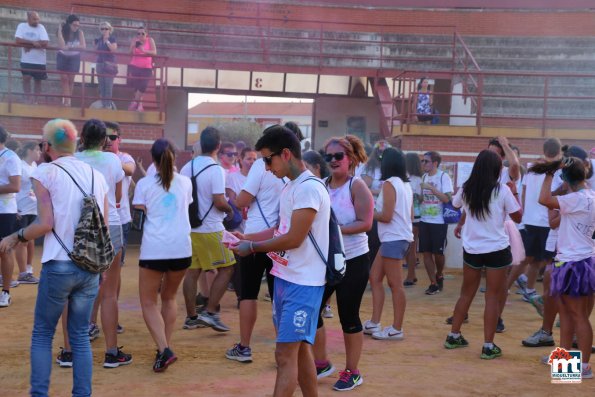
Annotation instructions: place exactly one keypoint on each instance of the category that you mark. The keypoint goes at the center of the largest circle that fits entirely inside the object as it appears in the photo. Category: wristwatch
(21, 236)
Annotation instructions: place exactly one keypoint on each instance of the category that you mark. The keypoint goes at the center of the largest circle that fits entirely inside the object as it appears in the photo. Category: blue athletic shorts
(295, 311)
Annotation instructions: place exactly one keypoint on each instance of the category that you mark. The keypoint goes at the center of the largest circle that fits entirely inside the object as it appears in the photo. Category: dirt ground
(419, 365)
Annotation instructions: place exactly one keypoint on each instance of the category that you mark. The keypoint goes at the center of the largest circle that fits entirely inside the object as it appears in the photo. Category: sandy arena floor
(417, 366)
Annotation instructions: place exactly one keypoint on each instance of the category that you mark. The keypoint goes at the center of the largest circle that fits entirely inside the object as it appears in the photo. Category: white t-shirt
(534, 213)
(415, 182)
(124, 210)
(166, 232)
(152, 170)
(266, 188)
(235, 181)
(110, 166)
(10, 165)
(375, 174)
(210, 182)
(38, 33)
(481, 236)
(591, 181)
(67, 200)
(577, 223)
(303, 265)
(400, 226)
(431, 206)
(26, 200)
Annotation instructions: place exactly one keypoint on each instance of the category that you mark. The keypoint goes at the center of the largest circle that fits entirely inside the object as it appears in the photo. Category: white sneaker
(370, 327)
(4, 299)
(327, 312)
(388, 333)
(13, 283)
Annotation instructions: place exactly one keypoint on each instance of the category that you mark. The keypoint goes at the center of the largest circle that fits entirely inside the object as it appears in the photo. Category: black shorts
(138, 78)
(68, 63)
(490, 260)
(349, 294)
(25, 220)
(251, 269)
(423, 119)
(432, 237)
(534, 240)
(8, 224)
(166, 265)
(38, 72)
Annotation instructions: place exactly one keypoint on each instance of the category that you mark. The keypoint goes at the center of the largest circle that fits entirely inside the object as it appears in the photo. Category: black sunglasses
(338, 156)
(268, 160)
(230, 154)
(113, 137)
(103, 28)
(425, 161)
(140, 33)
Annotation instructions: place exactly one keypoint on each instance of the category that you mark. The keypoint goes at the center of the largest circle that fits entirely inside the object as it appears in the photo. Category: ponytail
(164, 156)
(574, 169)
(546, 167)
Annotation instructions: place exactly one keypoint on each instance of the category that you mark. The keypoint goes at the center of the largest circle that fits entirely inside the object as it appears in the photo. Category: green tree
(240, 130)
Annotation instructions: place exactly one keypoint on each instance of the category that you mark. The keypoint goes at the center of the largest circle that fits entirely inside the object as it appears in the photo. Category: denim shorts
(295, 311)
(394, 249)
(115, 233)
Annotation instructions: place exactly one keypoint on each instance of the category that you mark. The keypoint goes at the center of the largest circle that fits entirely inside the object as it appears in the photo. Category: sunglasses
(338, 156)
(140, 33)
(113, 137)
(230, 154)
(41, 144)
(268, 160)
(103, 28)
(424, 161)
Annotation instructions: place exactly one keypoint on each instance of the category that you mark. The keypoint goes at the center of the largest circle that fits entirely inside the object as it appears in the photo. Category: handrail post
(320, 52)
(454, 50)
(545, 95)
(83, 90)
(479, 104)
(9, 79)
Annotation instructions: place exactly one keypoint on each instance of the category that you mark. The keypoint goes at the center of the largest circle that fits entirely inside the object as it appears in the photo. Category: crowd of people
(235, 215)
(70, 41)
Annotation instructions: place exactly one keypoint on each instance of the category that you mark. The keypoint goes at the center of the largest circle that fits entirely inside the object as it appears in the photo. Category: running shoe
(164, 360)
(490, 354)
(239, 353)
(433, 289)
(64, 359)
(528, 295)
(327, 312)
(500, 326)
(538, 339)
(370, 327)
(115, 360)
(521, 282)
(545, 360)
(453, 343)
(449, 320)
(267, 297)
(323, 372)
(192, 323)
(5, 299)
(388, 333)
(212, 320)
(120, 329)
(27, 278)
(440, 282)
(93, 332)
(410, 283)
(348, 381)
(587, 372)
(537, 302)
(13, 283)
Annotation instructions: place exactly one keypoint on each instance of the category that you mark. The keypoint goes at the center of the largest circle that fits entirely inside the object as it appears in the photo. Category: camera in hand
(138, 44)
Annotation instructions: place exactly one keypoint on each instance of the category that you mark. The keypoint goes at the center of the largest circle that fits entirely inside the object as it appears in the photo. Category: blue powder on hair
(60, 135)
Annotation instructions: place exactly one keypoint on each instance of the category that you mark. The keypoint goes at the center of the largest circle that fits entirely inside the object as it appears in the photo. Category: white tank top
(355, 244)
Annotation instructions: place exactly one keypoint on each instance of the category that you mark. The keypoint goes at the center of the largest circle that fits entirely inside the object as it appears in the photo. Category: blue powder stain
(169, 200)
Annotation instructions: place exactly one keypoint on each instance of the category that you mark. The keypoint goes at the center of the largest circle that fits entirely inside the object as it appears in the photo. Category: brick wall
(468, 22)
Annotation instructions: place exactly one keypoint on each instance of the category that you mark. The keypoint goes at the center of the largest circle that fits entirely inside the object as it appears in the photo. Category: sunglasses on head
(268, 160)
(113, 137)
(230, 154)
(338, 156)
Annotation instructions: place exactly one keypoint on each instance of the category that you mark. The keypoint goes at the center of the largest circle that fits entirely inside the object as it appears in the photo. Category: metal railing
(84, 94)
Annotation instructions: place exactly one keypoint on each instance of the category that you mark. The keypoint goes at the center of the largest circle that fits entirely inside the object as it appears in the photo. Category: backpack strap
(310, 235)
(196, 176)
(4, 152)
(260, 208)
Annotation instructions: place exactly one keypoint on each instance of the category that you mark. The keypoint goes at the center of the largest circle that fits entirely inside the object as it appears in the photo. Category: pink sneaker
(140, 108)
(133, 106)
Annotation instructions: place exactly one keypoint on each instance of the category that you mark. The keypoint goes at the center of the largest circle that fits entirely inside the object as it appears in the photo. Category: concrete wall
(177, 116)
(337, 111)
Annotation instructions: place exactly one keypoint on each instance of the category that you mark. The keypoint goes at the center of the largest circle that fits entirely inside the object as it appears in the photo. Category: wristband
(21, 236)
(251, 247)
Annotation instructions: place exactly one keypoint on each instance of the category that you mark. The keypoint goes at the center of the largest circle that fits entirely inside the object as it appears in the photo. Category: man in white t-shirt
(10, 184)
(437, 190)
(299, 270)
(208, 252)
(501, 146)
(34, 39)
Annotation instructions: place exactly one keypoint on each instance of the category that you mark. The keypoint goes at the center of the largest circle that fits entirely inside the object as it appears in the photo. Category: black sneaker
(500, 326)
(433, 289)
(452, 343)
(449, 320)
(490, 354)
(64, 359)
(410, 283)
(323, 372)
(114, 361)
(164, 360)
(440, 282)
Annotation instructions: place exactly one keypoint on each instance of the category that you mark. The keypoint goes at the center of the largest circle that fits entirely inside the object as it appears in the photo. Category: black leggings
(350, 292)
(251, 269)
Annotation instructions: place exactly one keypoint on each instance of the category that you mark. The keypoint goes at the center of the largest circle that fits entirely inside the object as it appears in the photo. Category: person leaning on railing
(68, 60)
(107, 68)
(140, 69)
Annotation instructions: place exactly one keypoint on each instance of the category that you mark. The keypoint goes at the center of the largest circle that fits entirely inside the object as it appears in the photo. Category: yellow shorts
(209, 253)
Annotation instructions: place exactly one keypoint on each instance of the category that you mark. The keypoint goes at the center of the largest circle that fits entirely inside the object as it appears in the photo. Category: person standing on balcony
(422, 102)
(106, 64)
(68, 59)
(34, 38)
(140, 69)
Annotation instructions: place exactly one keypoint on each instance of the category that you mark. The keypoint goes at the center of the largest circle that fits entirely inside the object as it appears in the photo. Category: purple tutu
(573, 278)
